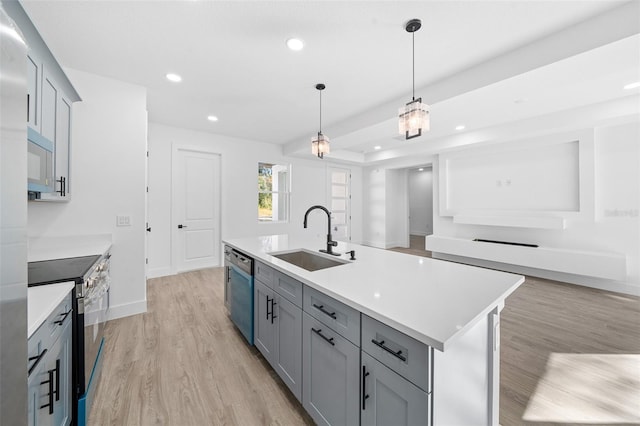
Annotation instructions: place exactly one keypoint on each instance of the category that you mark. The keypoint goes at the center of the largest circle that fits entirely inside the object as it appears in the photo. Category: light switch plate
(123, 220)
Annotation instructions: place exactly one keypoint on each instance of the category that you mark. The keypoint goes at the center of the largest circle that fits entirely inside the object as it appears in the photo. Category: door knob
(182, 226)
(149, 229)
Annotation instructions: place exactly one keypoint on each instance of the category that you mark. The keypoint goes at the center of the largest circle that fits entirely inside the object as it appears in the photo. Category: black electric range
(61, 270)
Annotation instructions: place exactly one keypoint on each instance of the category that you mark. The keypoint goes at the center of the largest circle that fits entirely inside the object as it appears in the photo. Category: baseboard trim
(128, 309)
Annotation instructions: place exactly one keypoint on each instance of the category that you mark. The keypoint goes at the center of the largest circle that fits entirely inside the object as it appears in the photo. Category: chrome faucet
(330, 243)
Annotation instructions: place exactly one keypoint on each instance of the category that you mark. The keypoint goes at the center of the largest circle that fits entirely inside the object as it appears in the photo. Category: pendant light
(320, 143)
(413, 118)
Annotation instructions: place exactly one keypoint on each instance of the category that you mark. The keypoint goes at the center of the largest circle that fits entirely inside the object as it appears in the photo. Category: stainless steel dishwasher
(239, 290)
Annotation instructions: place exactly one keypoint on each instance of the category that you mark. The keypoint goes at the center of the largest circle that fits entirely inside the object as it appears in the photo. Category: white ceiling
(235, 65)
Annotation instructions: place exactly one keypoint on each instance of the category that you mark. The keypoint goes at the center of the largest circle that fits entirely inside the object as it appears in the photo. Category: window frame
(284, 196)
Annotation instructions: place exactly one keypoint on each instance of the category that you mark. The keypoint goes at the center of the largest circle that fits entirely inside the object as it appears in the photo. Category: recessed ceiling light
(174, 77)
(460, 127)
(295, 44)
(212, 118)
(420, 169)
(377, 147)
(632, 85)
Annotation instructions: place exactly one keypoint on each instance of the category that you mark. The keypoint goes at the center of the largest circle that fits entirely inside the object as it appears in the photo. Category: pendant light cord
(320, 131)
(413, 70)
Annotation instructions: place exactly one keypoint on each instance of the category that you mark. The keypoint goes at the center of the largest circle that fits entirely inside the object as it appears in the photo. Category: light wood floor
(183, 363)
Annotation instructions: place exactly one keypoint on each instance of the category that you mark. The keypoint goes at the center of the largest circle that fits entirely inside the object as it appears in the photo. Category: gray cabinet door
(389, 399)
(330, 365)
(59, 362)
(288, 344)
(49, 106)
(34, 70)
(263, 323)
(63, 146)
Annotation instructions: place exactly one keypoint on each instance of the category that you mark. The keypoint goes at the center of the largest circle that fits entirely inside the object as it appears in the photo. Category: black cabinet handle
(57, 370)
(397, 354)
(50, 382)
(319, 333)
(273, 303)
(182, 226)
(28, 112)
(63, 186)
(149, 229)
(65, 315)
(324, 311)
(268, 313)
(365, 395)
(37, 358)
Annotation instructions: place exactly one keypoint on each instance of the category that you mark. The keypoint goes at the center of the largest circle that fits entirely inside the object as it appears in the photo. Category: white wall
(239, 163)
(421, 202)
(608, 218)
(107, 179)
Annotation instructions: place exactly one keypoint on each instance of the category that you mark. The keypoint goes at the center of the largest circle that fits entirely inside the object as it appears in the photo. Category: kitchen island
(449, 308)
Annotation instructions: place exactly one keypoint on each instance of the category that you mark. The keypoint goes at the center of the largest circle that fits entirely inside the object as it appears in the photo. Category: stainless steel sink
(308, 260)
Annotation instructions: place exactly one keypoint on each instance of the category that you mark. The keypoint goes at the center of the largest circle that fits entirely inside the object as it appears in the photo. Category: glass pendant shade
(413, 119)
(320, 145)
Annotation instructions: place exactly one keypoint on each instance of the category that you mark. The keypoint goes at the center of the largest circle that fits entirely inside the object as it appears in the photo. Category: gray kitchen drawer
(288, 288)
(49, 331)
(336, 315)
(401, 353)
(263, 273)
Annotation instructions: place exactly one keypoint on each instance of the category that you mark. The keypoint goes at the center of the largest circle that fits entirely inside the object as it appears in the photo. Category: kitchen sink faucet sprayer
(330, 243)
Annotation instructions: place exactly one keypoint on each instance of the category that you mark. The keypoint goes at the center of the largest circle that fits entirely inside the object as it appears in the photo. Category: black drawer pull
(319, 333)
(324, 311)
(65, 315)
(391, 351)
(37, 359)
(57, 370)
(365, 395)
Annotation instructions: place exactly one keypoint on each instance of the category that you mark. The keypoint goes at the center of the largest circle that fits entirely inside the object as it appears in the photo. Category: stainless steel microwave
(39, 163)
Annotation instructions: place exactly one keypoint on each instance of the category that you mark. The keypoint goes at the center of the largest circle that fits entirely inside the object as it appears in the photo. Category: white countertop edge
(441, 345)
(42, 300)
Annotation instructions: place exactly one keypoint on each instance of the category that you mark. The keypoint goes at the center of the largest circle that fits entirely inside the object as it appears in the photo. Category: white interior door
(196, 209)
(340, 203)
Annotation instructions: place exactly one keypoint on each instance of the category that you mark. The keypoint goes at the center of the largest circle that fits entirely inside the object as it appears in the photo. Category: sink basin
(308, 260)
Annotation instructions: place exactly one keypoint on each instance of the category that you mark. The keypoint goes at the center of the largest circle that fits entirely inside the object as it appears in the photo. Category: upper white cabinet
(34, 76)
(50, 95)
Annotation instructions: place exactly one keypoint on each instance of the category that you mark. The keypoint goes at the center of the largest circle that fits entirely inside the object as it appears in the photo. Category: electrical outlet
(123, 220)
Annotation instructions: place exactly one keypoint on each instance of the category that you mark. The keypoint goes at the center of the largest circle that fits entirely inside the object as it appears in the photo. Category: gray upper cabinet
(278, 334)
(63, 146)
(34, 74)
(50, 95)
(389, 399)
(49, 106)
(331, 371)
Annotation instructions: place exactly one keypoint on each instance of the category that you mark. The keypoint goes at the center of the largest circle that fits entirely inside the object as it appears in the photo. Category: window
(273, 192)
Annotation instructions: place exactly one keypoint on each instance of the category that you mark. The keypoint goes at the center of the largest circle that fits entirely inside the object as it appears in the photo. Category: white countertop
(433, 301)
(41, 301)
(47, 248)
